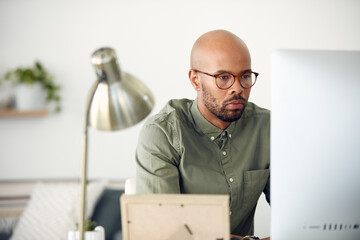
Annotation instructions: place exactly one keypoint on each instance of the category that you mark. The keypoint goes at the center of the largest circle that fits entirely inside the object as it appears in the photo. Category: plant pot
(30, 97)
(6, 96)
(97, 234)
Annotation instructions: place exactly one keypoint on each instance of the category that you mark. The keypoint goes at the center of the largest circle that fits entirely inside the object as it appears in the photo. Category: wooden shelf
(17, 113)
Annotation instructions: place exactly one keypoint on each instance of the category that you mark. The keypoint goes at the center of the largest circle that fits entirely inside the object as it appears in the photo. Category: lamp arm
(84, 147)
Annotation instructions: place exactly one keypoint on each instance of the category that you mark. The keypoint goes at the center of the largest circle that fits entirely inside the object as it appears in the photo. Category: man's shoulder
(174, 111)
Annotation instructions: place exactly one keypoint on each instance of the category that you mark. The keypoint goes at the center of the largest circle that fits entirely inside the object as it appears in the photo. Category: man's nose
(236, 87)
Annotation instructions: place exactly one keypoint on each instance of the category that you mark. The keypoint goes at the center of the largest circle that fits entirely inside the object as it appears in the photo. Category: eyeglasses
(225, 80)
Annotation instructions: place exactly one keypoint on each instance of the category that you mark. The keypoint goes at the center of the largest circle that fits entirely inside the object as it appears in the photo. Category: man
(216, 144)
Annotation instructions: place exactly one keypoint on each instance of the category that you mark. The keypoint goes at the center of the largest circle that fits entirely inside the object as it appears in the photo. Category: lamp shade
(119, 100)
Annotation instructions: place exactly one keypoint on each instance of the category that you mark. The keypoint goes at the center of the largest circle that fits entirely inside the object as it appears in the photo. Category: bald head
(213, 43)
(214, 53)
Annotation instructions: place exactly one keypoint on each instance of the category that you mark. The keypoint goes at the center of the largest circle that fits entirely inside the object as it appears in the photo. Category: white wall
(153, 41)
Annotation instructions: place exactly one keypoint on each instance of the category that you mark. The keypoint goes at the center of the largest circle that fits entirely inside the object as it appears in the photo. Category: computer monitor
(175, 217)
(315, 145)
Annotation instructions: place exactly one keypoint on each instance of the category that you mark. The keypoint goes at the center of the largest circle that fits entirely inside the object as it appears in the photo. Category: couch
(48, 209)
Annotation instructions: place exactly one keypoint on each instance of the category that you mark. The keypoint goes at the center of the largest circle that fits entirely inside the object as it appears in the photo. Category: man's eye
(225, 77)
(246, 76)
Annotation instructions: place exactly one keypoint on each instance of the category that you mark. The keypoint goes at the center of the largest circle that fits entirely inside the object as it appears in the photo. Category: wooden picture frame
(175, 216)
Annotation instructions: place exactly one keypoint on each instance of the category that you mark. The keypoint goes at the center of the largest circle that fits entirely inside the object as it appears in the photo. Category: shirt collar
(206, 127)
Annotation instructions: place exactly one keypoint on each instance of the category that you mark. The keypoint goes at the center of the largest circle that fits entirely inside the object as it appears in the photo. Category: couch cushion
(107, 212)
(53, 210)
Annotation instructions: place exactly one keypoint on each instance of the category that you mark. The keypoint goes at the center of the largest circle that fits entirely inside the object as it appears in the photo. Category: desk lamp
(117, 100)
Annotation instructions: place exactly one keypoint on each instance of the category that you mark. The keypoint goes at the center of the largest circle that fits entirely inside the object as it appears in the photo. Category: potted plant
(38, 79)
(92, 232)
(88, 226)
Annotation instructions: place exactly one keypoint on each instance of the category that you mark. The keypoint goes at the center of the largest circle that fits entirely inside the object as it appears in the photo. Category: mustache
(236, 98)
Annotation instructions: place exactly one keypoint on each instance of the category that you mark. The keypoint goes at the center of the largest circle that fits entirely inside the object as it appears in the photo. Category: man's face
(226, 105)
(226, 109)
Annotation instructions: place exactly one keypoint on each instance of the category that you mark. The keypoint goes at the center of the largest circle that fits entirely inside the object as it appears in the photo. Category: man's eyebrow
(247, 70)
(226, 71)
(222, 71)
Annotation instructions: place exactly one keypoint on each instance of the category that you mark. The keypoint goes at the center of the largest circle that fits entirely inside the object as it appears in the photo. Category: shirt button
(230, 212)
(224, 153)
(229, 135)
(223, 134)
(212, 138)
(231, 179)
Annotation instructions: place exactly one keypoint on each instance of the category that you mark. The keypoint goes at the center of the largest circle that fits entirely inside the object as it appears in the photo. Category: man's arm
(236, 237)
(157, 161)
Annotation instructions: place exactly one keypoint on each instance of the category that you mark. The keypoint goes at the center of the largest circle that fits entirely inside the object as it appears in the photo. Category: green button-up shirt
(179, 151)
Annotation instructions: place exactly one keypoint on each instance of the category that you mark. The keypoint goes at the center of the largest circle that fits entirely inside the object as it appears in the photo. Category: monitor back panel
(315, 145)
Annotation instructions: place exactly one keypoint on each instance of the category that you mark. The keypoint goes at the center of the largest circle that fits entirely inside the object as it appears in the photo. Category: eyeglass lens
(226, 80)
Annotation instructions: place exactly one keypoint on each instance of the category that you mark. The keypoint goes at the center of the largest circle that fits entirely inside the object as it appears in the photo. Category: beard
(226, 115)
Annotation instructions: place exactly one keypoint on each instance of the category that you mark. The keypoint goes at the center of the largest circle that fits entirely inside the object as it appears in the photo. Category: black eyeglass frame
(234, 78)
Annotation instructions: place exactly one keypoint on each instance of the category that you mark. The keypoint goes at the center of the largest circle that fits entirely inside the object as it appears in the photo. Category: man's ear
(194, 79)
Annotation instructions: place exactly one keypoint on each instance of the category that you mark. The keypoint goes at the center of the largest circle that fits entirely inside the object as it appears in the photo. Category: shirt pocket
(254, 184)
